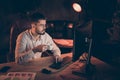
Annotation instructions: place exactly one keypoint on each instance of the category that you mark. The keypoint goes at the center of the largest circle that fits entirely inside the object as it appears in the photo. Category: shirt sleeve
(21, 55)
(52, 46)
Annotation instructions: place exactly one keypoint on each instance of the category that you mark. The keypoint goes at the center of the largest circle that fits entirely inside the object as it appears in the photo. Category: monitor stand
(89, 68)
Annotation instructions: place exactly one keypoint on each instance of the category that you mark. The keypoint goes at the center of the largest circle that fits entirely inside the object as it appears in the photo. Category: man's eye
(42, 25)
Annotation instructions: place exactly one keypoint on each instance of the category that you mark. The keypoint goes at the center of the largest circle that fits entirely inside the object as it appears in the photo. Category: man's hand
(40, 48)
(58, 59)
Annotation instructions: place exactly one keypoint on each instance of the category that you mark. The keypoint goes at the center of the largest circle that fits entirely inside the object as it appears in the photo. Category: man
(33, 42)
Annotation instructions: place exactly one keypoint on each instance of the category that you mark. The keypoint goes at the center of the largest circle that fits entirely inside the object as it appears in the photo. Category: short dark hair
(36, 16)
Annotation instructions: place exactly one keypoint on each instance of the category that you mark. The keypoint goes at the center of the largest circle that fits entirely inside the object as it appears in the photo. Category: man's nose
(44, 27)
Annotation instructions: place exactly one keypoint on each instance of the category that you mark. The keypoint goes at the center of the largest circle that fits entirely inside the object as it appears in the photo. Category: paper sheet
(19, 76)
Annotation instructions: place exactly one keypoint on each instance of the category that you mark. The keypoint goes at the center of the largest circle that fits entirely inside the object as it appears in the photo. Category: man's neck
(35, 35)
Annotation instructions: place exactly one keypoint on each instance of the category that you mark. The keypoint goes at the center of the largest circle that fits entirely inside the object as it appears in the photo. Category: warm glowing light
(52, 25)
(68, 43)
(70, 25)
(77, 7)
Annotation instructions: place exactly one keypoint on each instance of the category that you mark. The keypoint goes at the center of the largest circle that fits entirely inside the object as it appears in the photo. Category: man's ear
(33, 24)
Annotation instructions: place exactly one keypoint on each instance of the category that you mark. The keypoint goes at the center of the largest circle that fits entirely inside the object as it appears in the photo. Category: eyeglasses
(42, 25)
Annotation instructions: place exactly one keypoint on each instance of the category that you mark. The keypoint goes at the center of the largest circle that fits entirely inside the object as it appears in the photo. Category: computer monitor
(81, 34)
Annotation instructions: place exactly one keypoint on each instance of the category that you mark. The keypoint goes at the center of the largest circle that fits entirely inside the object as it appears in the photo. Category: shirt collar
(30, 32)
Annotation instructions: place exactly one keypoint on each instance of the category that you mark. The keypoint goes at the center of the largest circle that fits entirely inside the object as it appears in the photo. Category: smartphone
(4, 69)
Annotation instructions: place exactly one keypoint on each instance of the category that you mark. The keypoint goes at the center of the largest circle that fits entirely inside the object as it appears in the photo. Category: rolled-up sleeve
(53, 47)
(21, 54)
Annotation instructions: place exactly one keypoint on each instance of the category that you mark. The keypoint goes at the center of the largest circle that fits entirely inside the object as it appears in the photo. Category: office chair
(16, 28)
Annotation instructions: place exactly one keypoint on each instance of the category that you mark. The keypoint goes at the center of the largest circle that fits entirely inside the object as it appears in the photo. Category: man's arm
(54, 48)
(21, 54)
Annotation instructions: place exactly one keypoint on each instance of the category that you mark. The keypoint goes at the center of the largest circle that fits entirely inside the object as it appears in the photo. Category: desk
(36, 66)
(66, 43)
(104, 71)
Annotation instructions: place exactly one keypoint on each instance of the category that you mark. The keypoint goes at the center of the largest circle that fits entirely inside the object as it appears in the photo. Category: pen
(55, 59)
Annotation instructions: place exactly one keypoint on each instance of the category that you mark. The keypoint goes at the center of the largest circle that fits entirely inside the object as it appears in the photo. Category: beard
(40, 33)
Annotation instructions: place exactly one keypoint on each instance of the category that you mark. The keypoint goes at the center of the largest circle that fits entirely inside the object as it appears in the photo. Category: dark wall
(102, 9)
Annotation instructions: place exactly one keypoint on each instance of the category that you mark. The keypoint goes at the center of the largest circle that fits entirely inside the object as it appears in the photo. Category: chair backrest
(16, 28)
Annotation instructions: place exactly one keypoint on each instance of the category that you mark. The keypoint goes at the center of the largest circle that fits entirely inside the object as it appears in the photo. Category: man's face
(40, 27)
